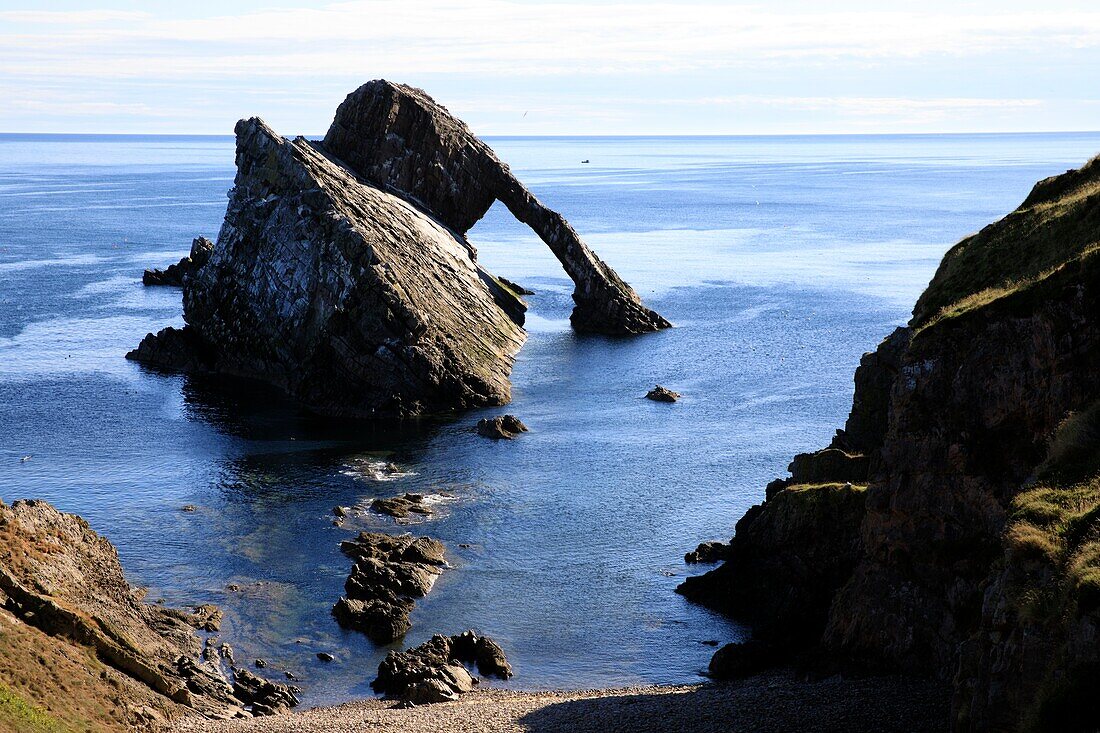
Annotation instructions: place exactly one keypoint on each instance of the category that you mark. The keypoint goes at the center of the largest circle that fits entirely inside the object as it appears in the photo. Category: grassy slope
(1058, 222)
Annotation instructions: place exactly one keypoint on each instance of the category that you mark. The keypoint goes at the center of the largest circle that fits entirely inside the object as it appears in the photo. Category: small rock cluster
(399, 507)
(502, 427)
(434, 671)
(662, 394)
(389, 572)
(264, 697)
(709, 552)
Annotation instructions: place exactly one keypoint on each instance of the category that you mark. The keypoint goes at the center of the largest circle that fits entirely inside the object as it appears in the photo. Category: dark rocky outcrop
(400, 507)
(389, 572)
(342, 274)
(176, 275)
(263, 697)
(502, 427)
(401, 140)
(662, 394)
(974, 557)
(434, 671)
(708, 552)
(62, 588)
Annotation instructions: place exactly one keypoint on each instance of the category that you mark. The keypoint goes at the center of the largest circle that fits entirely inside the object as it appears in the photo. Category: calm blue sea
(780, 260)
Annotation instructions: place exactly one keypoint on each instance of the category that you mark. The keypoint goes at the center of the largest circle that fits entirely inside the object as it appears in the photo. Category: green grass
(16, 714)
(1059, 222)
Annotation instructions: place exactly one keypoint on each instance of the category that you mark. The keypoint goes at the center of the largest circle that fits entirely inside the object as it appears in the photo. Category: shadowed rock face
(398, 138)
(344, 295)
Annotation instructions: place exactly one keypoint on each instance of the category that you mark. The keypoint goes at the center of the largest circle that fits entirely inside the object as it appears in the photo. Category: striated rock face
(389, 572)
(342, 274)
(977, 556)
(59, 577)
(345, 296)
(398, 138)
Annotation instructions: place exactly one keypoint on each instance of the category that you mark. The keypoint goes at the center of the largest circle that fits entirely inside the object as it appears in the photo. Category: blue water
(780, 260)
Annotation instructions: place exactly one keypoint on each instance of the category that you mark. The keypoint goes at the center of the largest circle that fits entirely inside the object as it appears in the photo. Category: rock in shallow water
(434, 671)
(389, 572)
(662, 394)
(502, 427)
(400, 507)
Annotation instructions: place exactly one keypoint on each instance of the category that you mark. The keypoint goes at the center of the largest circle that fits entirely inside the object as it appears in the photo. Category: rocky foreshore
(343, 276)
(950, 528)
(81, 645)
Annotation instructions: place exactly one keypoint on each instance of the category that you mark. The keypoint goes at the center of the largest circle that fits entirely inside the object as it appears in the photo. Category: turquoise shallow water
(780, 260)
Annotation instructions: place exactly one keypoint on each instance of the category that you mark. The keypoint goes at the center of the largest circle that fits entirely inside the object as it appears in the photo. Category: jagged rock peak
(400, 139)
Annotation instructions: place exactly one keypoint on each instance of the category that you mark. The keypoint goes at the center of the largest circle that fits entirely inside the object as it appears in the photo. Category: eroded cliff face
(344, 295)
(947, 580)
(342, 274)
(78, 640)
(400, 139)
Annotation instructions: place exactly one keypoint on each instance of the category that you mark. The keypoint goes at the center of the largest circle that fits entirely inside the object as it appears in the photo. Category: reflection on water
(779, 261)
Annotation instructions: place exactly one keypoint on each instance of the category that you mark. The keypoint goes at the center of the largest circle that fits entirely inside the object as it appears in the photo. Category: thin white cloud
(503, 37)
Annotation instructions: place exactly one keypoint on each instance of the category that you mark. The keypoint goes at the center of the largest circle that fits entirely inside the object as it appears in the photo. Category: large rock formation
(341, 273)
(64, 595)
(976, 558)
(400, 139)
(434, 671)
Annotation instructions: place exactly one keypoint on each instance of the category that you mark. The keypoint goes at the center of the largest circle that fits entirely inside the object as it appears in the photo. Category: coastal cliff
(974, 557)
(83, 652)
(342, 274)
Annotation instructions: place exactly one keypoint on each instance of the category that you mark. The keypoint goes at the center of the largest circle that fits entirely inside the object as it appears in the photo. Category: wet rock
(260, 663)
(173, 349)
(263, 696)
(389, 572)
(325, 656)
(340, 511)
(177, 274)
(708, 552)
(188, 508)
(206, 617)
(502, 427)
(400, 507)
(434, 671)
(662, 394)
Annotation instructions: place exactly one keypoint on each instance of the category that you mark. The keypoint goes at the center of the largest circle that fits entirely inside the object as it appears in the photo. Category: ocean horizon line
(138, 136)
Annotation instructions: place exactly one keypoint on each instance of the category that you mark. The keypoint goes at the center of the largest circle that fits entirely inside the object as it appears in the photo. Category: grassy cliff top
(1059, 221)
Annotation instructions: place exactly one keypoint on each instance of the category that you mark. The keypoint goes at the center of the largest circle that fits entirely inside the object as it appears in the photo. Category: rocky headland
(951, 528)
(343, 276)
(82, 651)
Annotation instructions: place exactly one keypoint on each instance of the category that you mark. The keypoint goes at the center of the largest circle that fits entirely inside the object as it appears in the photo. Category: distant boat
(585, 160)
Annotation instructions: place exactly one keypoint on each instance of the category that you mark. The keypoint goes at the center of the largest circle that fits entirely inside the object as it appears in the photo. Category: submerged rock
(502, 427)
(177, 274)
(662, 394)
(434, 671)
(342, 275)
(388, 573)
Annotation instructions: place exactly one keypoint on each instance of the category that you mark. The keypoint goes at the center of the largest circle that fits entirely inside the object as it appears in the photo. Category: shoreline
(780, 701)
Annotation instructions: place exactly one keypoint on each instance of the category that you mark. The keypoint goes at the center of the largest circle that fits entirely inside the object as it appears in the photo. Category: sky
(554, 67)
